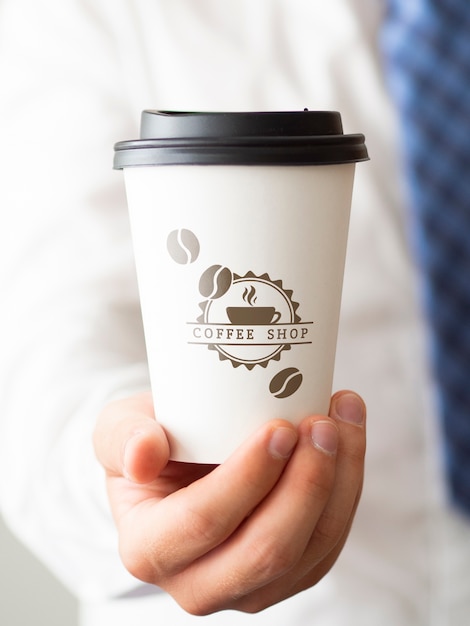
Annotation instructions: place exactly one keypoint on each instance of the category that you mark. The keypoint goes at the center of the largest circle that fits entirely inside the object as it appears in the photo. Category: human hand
(263, 526)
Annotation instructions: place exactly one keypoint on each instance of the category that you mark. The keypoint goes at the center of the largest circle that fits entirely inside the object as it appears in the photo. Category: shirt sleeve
(70, 328)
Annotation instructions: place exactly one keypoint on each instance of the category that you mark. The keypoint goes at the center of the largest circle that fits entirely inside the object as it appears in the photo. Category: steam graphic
(249, 296)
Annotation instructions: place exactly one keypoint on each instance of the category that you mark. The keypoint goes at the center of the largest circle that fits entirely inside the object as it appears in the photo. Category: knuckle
(271, 559)
(145, 557)
(136, 563)
(356, 455)
(318, 484)
(328, 531)
(202, 527)
(196, 606)
(199, 600)
(201, 607)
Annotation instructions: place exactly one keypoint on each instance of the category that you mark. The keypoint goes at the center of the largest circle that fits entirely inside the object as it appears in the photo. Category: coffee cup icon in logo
(253, 315)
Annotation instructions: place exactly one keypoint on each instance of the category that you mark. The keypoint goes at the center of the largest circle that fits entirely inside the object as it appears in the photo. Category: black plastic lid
(263, 138)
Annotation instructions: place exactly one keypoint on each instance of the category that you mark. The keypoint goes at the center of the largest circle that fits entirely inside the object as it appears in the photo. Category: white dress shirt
(75, 76)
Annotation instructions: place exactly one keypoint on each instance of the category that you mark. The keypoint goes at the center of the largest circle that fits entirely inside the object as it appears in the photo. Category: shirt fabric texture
(427, 47)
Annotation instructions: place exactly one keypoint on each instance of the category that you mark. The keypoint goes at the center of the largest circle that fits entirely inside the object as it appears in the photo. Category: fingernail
(350, 408)
(282, 443)
(127, 452)
(325, 437)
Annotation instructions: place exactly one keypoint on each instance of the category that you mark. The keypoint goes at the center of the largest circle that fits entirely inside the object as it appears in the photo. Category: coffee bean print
(215, 282)
(183, 246)
(286, 383)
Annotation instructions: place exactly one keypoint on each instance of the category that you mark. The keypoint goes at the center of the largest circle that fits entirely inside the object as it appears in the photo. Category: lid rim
(225, 155)
(242, 141)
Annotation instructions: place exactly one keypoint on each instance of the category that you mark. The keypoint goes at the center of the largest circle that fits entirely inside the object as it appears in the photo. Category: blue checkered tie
(426, 44)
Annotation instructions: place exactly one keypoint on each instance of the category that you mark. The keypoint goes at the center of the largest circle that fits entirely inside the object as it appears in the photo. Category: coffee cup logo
(248, 320)
(252, 314)
(242, 315)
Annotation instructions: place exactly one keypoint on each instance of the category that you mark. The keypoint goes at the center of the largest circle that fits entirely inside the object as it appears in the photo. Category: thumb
(129, 442)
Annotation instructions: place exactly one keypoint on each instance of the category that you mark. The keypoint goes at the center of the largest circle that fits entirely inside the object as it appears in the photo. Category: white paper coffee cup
(239, 223)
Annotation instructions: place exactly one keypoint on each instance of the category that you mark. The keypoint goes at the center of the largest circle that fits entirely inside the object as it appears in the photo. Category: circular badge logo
(249, 320)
